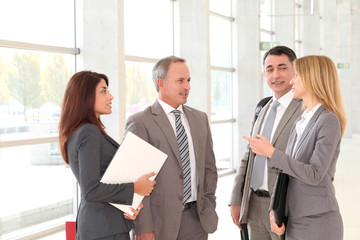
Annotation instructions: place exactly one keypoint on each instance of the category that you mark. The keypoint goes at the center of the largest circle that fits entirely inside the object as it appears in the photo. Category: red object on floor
(70, 228)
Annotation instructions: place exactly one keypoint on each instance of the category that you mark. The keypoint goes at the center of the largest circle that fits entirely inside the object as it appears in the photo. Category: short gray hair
(161, 69)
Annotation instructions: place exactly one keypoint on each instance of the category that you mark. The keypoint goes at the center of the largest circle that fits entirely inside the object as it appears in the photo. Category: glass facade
(42, 43)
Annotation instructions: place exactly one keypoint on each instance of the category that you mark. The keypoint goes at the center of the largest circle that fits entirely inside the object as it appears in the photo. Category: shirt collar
(167, 108)
(286, 99)
(307, 114)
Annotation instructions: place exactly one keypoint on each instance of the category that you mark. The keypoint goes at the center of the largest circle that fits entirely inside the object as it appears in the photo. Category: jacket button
(180, 198)
(181, 176)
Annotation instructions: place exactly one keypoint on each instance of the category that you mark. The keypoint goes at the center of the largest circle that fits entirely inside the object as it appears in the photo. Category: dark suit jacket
(163, 209)
(312, 166)
(279, 140)
(90, 153)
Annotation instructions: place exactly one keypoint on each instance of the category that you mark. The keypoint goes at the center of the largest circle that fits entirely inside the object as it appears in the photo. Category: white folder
(134, 158)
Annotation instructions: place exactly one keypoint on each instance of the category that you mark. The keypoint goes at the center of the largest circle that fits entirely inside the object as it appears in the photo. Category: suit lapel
(112, 141)
(290, 110)
(259, 121)
(162, 120)
(194, 130)
(309, 126)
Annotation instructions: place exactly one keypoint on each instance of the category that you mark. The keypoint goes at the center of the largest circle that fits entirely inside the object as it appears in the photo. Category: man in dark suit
(250, 204)
(182, 206)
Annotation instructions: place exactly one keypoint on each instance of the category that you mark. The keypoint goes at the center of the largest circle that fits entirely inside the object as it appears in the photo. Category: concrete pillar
(99, 35)
(194, 47)
(344, 54)
(355, 66)
(248, 82)
(327, 28)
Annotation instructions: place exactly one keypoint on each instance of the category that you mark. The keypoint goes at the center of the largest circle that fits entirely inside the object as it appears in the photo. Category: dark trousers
(120, 236)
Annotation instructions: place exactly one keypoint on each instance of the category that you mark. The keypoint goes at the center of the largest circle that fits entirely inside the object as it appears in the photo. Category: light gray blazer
(279, 140)
(89, 153)
(312, 166)
(163, 209)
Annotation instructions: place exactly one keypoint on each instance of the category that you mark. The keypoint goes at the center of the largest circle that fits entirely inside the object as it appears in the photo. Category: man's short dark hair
(279, 50)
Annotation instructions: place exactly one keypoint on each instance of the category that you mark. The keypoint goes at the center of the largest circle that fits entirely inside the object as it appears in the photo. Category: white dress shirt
(303, 122)
(168, 111)
(280, 110)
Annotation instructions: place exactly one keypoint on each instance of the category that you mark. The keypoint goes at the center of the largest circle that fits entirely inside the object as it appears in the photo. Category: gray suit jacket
(312, 166)
(279, 141)
(163, 209)
(90, 153)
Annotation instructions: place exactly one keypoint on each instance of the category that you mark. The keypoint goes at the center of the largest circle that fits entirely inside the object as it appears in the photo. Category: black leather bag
(244, 232)
(279, 199)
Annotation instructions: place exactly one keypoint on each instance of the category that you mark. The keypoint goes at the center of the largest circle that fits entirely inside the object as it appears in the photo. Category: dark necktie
(257, 176)
(184, 154)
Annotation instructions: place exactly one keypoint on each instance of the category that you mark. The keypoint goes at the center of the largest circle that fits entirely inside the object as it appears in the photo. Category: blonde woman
(312, 152)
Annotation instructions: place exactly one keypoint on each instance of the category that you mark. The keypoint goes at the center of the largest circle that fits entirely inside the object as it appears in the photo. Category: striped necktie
(184, 154)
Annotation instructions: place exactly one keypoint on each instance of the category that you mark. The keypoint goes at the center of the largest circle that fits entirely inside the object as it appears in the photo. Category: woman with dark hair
(85, 145)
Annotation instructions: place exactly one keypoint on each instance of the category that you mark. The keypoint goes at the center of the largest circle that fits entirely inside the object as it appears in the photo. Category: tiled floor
(347, 181)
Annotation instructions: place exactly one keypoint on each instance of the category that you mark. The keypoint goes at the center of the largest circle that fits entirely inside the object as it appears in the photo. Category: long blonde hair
(319, 76)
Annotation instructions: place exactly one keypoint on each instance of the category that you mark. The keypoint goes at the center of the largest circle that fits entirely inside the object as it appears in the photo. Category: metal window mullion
(38, 47)
(140, 59)
(223, 69)
(231, 19)
(267, 31)
(29, 141)
(232, 120)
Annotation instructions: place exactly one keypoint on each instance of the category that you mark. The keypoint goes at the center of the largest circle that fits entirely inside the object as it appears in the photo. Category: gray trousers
(259, 221)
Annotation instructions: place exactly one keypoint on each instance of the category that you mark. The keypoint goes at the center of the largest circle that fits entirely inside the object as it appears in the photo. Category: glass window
(307, 7)
(38, 21)
(32, 87)
(266, 7)
(266, 23)
(265, 15)
(222, 7)
(36, 187)
(36, 184)
(221, 82)
(220, 42)
(221, 95)
(223, 139)
(140, 90)
(148, 33)
(265, 37)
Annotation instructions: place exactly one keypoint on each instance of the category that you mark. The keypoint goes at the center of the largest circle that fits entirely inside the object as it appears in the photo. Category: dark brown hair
(279, 50)
(78, 106)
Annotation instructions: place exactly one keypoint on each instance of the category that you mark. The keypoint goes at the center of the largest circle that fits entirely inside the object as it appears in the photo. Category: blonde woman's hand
(260, 145)
(274, 227)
